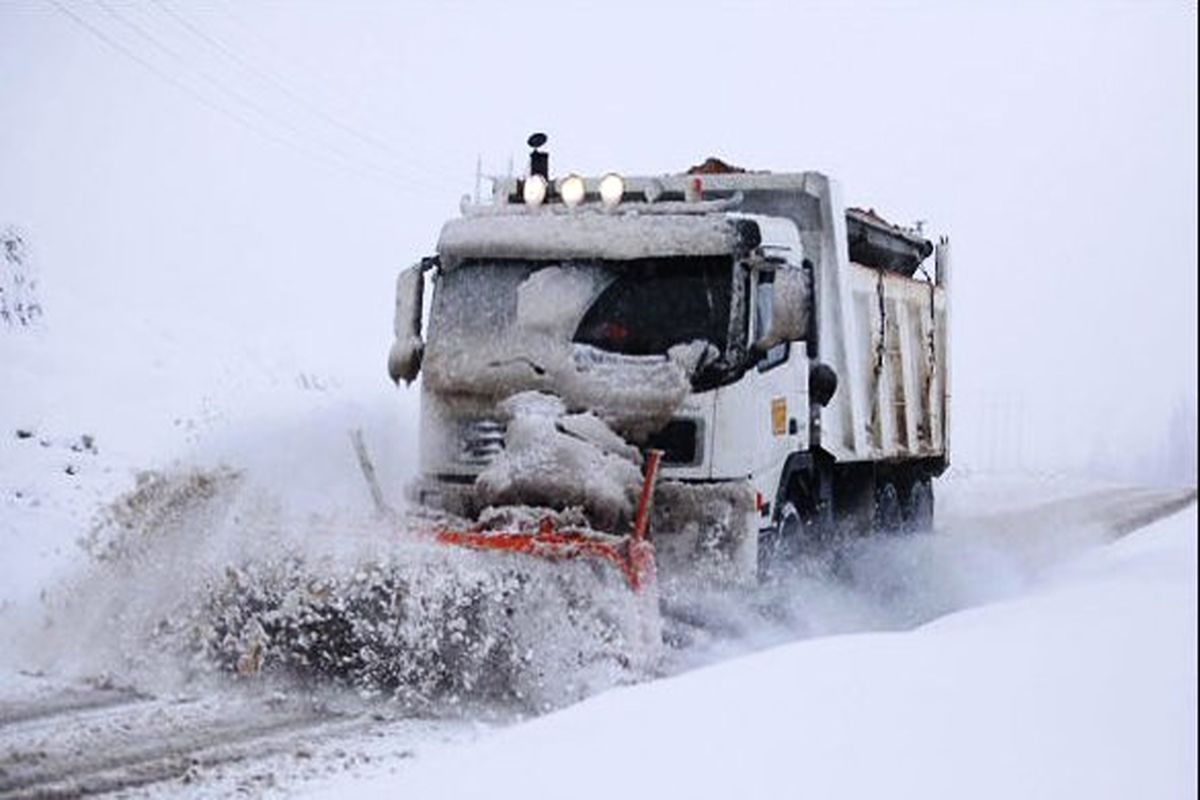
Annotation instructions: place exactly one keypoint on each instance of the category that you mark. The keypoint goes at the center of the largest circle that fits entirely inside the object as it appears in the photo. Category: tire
(889, 514)
(780, 546)
(918, 516)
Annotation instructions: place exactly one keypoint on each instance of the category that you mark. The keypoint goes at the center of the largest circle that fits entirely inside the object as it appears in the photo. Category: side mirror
(791, 304)
(404, 359)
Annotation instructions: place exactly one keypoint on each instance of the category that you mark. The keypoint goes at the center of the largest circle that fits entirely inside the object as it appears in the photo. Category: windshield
(639, 308)
(652, 305)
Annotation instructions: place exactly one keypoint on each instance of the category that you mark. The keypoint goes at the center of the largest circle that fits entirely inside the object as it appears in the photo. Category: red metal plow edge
(633, 555)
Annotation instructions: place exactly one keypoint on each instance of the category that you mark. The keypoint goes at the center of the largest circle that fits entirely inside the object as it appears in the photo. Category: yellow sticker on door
(779, 415)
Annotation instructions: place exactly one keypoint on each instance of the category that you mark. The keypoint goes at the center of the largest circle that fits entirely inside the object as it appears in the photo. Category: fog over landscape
(243, 180)
(215, 574)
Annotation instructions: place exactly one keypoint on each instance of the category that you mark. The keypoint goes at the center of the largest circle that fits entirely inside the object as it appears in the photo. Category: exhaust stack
(539, 162)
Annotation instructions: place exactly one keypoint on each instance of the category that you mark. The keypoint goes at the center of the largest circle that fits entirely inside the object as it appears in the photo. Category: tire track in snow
(71, 701)
(149, 742)
(1117, 512)
(81, 742)
(1056, 530)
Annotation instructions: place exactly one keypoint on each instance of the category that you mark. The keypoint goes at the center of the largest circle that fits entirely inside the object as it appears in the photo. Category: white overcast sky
(263, 169)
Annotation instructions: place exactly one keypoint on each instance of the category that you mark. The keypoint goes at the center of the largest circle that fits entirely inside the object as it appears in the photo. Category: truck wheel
(919, 508)
(889, 515)
(780, 546)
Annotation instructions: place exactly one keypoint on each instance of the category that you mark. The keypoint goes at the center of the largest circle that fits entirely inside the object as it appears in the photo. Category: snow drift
(1085, 687)
(197, 571)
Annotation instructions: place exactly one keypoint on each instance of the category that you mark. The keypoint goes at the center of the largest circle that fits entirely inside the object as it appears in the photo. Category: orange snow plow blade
(632, 554)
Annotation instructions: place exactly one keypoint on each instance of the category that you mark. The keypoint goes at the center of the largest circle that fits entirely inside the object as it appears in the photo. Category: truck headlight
(612, 189)
(571, 190)
(534, 191)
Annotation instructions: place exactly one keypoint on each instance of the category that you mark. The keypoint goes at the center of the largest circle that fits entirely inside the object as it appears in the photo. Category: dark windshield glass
(654, 304)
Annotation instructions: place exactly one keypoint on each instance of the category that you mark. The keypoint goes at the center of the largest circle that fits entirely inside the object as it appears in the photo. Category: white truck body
(759, 434)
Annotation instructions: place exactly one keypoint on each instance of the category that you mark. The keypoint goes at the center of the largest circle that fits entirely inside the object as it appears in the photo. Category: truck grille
(480, 441)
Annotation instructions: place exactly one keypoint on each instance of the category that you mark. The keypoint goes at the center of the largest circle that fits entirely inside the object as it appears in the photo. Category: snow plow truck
(704, 373)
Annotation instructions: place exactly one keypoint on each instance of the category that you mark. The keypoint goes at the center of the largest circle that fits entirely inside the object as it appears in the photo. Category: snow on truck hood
(635, 395)
(550, 235)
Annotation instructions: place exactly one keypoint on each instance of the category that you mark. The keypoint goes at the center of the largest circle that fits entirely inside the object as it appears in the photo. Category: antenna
(478, 175)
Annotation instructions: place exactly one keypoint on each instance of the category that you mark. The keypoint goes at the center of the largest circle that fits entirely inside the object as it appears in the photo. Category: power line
(199, 97)
(229, 10)
(239, 96)
(116, 45)
(274, 80)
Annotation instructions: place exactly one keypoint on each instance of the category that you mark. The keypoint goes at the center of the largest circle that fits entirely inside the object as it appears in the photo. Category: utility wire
(114, 44)
(246, 101)
(199, 97)
(230, 11)
(274, 80)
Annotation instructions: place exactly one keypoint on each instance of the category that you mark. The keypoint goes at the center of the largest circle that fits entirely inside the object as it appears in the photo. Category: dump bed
(895, 403)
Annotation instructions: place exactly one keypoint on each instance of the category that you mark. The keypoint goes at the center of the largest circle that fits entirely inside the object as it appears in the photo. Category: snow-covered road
(70, 721)
(1084, 686)
(1064, 620)
(75, 740)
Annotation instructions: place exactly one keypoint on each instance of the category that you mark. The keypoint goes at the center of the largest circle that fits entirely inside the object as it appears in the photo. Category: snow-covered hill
(119, 377)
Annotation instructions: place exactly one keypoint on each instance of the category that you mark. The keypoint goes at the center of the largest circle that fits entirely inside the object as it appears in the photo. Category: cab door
(763, 417)
(779, 385)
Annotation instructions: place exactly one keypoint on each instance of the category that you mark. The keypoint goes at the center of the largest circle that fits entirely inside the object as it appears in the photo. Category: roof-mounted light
(534, 191)
(612, 189)
(571, 190)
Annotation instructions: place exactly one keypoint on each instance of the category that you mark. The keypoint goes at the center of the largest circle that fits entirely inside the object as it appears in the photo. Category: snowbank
(558, 460)
(1085, 687)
